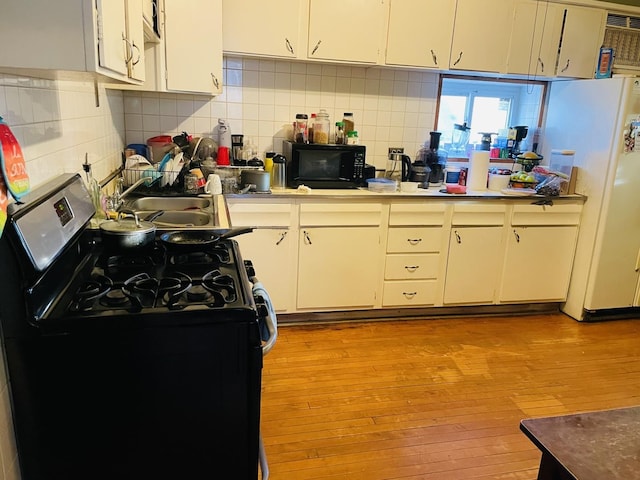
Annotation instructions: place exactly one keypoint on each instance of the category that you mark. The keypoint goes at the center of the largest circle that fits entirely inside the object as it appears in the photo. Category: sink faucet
(119, 195)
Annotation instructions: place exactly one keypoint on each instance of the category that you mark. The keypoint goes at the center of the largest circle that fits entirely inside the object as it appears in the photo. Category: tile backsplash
(392, 108)
(58, 121)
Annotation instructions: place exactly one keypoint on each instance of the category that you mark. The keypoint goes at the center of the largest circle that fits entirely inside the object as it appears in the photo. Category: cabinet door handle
(517, 236)
(411, 268)
(316, 47)
(541, 64)
(566, 66)
(414, 241)
(458, 60)
(215, 81)
(129, 54)
(282, 235)
(307, 239)
(133, 45)
(409, 295)
(433, 56)
(289, 46)
(458, 239)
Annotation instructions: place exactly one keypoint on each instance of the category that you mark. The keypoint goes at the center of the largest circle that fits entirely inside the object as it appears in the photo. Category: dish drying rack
(154, 178)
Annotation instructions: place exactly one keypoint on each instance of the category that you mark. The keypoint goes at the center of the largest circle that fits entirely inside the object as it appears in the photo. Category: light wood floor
(435, 399)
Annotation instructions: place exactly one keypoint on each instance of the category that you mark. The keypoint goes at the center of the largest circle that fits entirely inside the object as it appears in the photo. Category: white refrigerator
(600, 120)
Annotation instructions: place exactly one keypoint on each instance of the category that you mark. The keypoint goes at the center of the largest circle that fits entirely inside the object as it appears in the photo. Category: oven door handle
(270, 319)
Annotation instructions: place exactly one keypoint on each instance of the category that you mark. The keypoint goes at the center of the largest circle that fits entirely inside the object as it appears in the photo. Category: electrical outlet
(396, 150)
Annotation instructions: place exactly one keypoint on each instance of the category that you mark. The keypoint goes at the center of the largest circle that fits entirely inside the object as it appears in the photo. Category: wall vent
(622, 33)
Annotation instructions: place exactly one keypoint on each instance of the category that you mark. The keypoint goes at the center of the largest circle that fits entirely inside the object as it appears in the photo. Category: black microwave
(326, 166)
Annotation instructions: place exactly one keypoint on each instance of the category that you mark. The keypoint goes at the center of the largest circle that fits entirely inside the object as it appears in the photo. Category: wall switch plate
(396, 150)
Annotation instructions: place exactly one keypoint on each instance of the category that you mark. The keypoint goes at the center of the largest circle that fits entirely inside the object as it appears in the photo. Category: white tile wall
(392, 108)
(57, 122)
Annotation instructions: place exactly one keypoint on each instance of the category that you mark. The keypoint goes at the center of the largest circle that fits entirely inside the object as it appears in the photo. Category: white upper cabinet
(481, 35)
(193, 46)
(249, 27)
(420, 33)
(582, 38)
(535, 37)
(346, 31)
(97, 36)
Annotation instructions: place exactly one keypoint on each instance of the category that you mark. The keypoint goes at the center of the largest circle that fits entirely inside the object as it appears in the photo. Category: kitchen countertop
(421, 193)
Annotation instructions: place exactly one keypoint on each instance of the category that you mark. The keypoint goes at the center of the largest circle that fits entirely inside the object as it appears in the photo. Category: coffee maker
(516, 135)
(434, 159)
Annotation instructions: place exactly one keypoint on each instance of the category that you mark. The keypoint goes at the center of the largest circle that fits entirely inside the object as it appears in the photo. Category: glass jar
(321, 128)
(349, 124)
(300, 129)
(339, 139)
(312, 122)
(352, 138)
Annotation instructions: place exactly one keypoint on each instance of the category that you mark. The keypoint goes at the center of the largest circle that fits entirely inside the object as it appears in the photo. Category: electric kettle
(398, 167)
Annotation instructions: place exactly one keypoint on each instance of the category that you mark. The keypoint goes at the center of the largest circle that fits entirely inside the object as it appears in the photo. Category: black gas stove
(128, 365)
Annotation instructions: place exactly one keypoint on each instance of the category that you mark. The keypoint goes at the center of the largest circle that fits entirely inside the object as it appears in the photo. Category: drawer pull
(411, 268)
(414, 241)
(409, 295)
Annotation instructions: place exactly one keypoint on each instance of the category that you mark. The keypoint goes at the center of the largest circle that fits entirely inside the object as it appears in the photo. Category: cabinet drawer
(478, 215)
(414, 267)
(260, 215)
(414, 239)
(409, 293)
(340, 214)
(416, 214)
(556, 214)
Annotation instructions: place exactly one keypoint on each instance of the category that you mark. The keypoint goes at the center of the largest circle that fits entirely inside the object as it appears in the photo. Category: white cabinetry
(481, 35)
(475, 254)
(582, 38)
(97, 36)
(340, 257)
(253, 28)
(192, 43)
(271, 247)
(535, 37)
(539, 253)
(345, 31)
(413, 264)
(412, 42)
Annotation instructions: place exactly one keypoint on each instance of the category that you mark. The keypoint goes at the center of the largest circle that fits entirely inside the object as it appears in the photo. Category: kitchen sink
(168, 203)
(178, 218)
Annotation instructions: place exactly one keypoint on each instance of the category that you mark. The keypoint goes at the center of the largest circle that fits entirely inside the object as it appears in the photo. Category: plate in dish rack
(518, 191)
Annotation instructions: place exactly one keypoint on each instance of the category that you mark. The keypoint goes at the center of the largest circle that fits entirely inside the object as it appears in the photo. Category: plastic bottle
(352, 138)
(300, 129)
(339, 138)
(349, 124)
(321, 128)
(268, 161)
(310, 128)
(224, 134)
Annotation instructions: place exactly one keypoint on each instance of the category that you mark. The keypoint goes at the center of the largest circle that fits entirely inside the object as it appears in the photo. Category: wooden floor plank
(435, 399)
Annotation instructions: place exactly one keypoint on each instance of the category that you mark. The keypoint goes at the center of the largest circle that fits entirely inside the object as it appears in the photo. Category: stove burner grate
(93, 289)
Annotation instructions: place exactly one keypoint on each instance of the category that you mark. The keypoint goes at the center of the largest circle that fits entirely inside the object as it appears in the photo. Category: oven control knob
(248, 265)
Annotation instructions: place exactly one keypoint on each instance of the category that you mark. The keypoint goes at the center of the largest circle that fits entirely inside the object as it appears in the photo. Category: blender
(434, 160)
(460, 138)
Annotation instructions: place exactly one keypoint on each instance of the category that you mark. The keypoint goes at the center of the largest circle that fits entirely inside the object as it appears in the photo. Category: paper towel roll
(478, 170)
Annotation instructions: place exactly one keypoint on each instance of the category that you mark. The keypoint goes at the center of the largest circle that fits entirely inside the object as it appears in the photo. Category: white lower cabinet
(271, 247)
(339, 255)
(338, 267)
(473, 268)
(475, 255)
(539, 253)
(413, 263)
